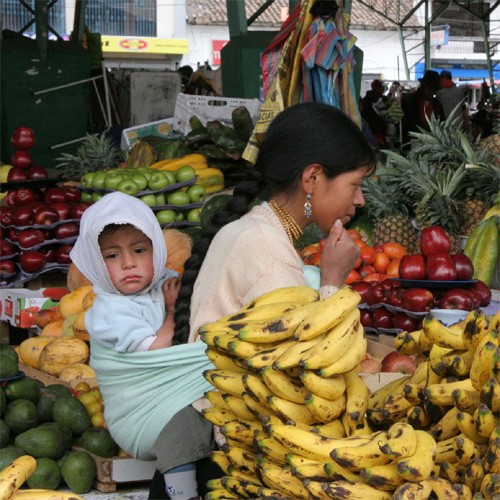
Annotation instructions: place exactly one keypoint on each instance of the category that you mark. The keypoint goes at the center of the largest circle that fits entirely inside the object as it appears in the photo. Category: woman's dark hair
(299, 136)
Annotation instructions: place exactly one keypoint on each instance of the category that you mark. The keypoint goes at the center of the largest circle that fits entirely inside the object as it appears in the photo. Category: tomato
(367, 254)
(355, 235)
(352, 277)
(381, 262)
(394, 250)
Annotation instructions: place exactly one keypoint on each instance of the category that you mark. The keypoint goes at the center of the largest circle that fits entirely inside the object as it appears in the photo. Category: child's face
(128, 255)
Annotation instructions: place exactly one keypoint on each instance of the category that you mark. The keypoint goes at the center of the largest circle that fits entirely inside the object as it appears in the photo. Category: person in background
(483, 132)
(310, 167)
(453, 98)
(149, 388)
(371, 107)
(420, 105)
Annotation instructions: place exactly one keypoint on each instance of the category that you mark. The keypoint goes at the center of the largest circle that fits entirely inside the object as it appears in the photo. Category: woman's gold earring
(308, 206)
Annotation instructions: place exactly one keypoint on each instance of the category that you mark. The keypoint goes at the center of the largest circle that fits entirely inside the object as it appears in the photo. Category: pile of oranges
(375, 263)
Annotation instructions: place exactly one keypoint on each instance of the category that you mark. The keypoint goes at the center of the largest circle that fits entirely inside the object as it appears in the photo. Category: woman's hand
(338, 256)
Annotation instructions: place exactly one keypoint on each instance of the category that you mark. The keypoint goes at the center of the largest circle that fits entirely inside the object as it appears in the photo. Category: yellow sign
(144, 45)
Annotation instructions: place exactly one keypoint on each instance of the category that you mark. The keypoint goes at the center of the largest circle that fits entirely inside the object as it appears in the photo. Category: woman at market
(311, 164)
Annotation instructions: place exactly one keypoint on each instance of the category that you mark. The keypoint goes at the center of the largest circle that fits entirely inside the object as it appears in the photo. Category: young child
(121, 250)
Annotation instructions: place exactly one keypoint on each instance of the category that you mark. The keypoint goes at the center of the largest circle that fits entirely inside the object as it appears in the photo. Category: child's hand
(170, 289)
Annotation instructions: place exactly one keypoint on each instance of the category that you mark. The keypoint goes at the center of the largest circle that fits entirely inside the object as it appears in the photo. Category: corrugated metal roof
(371, 14)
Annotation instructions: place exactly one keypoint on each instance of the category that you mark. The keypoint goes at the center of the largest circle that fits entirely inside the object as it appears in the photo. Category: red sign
(133, 44)
(216, 48)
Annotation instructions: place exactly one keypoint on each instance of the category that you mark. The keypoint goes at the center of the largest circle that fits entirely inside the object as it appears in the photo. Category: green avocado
(41, 442)
(72, 413)
(78, 471)
(47, 475)
(23, 388)
(21, 415)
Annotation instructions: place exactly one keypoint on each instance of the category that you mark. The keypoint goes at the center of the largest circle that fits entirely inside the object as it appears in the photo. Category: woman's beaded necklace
(292, 229)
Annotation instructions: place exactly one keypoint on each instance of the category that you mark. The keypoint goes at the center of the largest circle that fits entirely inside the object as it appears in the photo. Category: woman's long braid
(244, 193)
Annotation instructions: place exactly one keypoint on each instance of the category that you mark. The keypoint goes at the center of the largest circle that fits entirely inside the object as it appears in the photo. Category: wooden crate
(50, 379)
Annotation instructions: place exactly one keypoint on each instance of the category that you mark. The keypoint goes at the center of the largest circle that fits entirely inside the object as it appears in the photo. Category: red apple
(13, 234)
(46, 215)
(37, 172)
(31, 261)
(417, 299)
(382, 318)
(412, 267)
(23, 216)
(379, 292)
(7, 266)
(482, 291)
(394, 297)
(67, 230)
(23, 138)
(7, 216)
(29, 238)
(78, 210)
(49, 251)
(463, 266)
(402, 321)
(53, 195)
(457, 298)
(11, 198)
(398, 362)
(434, 240)
(21, 159)
(440, 267)
(365, 318)
(62, 253)
(369, 365)
(25, 197)
(62, 208)
(71, 193)
(17, 174)
(361, 287)
(6, 248)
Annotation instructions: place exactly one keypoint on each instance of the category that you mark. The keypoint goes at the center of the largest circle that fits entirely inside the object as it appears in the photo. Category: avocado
(23, 388)
(47, 475)
(8, 367)
(72, 413)
(41, 442)
(60, 390)
(66, 434)
(21, 415)
(46, 404)
(78, 470)
(98, 440)
(3, 402)
(4, 434)
(9, 454)
(9, 351)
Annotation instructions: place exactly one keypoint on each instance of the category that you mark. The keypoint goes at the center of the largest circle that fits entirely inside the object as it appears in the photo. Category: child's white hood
(115, 208)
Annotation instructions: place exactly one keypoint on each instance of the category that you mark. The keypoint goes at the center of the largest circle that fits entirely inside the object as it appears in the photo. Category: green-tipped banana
(419, 466)
(283, 386)
(327, 387)
(299, 294)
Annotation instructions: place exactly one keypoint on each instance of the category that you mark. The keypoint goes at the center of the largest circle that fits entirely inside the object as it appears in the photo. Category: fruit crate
(210, 108)
(117, 470)
(50, 379)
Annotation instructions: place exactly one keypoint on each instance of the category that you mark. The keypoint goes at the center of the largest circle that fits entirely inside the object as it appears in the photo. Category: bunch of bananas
(298, 419)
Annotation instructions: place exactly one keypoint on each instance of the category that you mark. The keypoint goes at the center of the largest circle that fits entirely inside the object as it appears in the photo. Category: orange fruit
(367, 254)
(393, 269)
(93, 408)
(381, 262)
(373, 277)
(355, 235)
(394, 250)
(360, 243)
(352, 276)
(82, 386)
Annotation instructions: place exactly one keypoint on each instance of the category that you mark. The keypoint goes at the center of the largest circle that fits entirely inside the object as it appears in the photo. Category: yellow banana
(228, 381)
(281, 479)
(329, 313)
(491, 459)
(40, 494)
(494, 322)
(283, 386)
(348, 490)
(294, 460)
(464, 400)
(256, 389)
(224, 362)
(333, 429)
(383, 477)
(220, 494)
(309, 445)
(241, 431)
(402, 441)
(425, 343)
(215, 399)
(272, 450)
(443, 488)
(490, 394)
(440, 394)
(476, 327)
(288, 410)
(490, 486)
(212, 337)
(395, 407)
(268, 356)
(482, 363)
(362, 428)
(266, 311)
(219, 457)
(241, 487)
(326, 387)
(446, 427)
(278, 328)
(437, 351)
(214, 484)
(335, 344)
(453, 472)
(407, 342)
(311, 470)
(238, 407)
(495, 367)
(418, 418)
(419, 490)
(393, 388)
(316, 489)
(351, 359)
(467, 426)
(457, 363)
(325, 410)
(474, 474)
(419, 376)
(241, 458)
(459, 449)
(243, 349)
(338, 473)
(442, 335)
(257, 409)
(357, 397)
(414, 393)
(299, 294)
(486, 420)
(218, 416)
(419, 466)
(293, 356)
(14, 475)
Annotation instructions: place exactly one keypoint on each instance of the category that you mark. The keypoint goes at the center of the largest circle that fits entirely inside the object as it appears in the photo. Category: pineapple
(388, 207)
(96, 152)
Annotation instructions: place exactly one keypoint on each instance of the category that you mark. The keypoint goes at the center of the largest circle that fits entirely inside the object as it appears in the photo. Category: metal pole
(66, 85)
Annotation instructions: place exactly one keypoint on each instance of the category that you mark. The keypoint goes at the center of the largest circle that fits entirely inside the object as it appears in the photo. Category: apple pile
(38, 228)
(172, 195)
